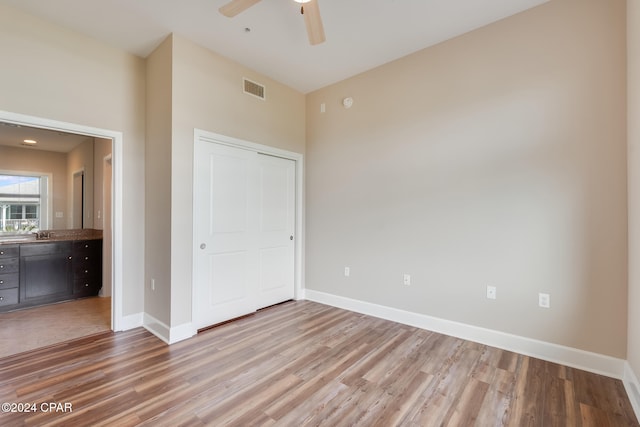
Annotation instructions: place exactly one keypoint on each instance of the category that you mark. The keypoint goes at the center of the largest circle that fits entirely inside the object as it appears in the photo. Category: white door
(275, 233)
(242, 260)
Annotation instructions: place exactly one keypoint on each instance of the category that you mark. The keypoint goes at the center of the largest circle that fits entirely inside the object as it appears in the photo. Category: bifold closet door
(244, 211)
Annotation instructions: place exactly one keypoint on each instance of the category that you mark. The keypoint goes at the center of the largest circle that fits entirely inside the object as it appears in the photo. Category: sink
(17, 238)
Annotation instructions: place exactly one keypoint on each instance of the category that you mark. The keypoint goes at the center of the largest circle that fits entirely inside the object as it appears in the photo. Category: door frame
(117, 256)
(214, 138)
(79, 172)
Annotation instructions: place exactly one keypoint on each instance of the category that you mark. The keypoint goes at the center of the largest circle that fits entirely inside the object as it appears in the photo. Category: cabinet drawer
(9, 265)
(9, 251)
(89, 286)
(82, 246)
(86, 261)
(33, 249)
(8, 296)
(9, 280)
(81, 272)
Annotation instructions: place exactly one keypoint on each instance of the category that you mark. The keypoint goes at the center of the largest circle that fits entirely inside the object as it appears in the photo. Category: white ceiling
(49, 140)
(361, 34)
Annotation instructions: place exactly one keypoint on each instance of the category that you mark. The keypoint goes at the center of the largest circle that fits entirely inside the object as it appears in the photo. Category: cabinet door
(45, 277)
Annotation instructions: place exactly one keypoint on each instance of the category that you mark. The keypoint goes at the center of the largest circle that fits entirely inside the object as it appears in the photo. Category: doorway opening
(95, 202)
(77, 214)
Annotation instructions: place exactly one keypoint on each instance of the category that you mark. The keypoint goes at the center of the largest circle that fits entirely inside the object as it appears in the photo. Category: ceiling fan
(309, 9)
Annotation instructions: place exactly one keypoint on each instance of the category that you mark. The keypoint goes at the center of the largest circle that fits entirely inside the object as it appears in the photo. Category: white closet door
(275, 237)
(244, 220)
(225, 276)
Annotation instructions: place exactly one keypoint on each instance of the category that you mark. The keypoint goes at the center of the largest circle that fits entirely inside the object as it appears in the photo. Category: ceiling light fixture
(30, 141)
(302, 1)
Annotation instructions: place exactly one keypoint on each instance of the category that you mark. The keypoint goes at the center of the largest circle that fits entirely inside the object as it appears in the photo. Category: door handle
(290, 237)
(203, 245)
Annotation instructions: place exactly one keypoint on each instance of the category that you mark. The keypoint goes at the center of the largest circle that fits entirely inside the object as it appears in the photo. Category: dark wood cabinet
(9, 275)
(87, 267)
(46, 272)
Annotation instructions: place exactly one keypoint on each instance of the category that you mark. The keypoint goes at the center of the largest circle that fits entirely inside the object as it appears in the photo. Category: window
(15, 212)
(31, 211)
(23, 211)
(22, 199)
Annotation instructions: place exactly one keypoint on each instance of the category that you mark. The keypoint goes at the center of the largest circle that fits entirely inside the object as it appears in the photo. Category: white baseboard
(632, 386)
(181, 332)
(575, 358)
(131, 321)
(156, 327)
(164, 332)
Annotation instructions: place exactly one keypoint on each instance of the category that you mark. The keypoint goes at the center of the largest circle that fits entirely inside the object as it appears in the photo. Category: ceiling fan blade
(313, 21)
(234, 7)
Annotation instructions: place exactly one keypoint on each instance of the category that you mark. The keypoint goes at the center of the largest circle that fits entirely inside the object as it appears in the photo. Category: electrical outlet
(544, 300)
(347, 272)
(407, 280)
(491, 292)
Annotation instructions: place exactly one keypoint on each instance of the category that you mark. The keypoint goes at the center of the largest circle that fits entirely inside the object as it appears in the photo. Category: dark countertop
(55, 236)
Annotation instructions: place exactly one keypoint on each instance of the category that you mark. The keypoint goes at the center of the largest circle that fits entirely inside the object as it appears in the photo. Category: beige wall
(496, 158)
(47, 162)
(51, 72)
(633, 126)
(207, 94)
(158, 183)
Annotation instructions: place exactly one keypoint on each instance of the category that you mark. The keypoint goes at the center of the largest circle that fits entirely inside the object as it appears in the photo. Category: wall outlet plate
(347, 272)
(544, 300)
(406, 280)
(491, 292)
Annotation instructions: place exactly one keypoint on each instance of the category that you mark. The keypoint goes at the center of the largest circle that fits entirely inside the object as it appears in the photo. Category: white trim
(632, 386)
(132, 321)
(181, 332)
(156, 327)
(116, 206)
(165, 333)
(107, 160)
(205, 136)
(575, 358)
(71, 200)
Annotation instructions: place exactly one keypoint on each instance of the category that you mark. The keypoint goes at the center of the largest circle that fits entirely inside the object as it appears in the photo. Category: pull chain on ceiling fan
(309, 9)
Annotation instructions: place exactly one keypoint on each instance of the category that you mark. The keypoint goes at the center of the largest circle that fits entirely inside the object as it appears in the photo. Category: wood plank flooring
(299, 364)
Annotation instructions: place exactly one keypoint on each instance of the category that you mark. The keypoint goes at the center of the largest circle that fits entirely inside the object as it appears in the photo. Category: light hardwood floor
(303, 363)
(28, 329)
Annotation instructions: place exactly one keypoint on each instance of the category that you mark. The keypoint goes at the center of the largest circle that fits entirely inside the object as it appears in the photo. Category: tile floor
(32, 328)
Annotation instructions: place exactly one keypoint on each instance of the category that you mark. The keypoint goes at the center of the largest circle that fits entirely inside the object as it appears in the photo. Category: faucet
(43, 235)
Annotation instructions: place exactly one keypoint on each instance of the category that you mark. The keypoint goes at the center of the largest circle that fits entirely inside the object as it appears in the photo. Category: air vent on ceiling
(253, 88)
